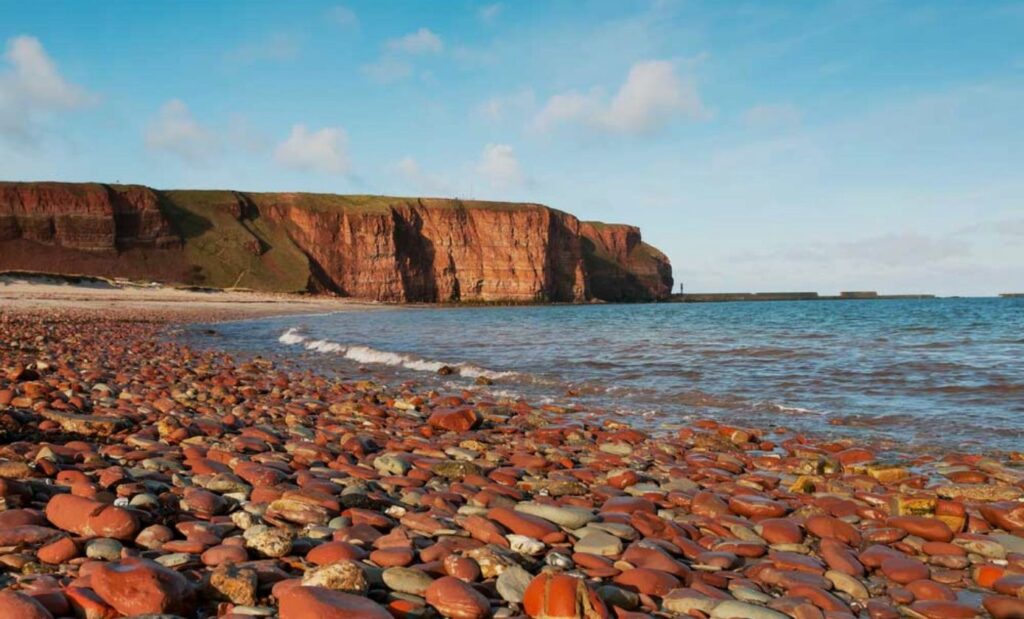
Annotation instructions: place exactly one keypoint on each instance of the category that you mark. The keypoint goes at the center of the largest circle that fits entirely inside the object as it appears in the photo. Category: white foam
(291, 336)
(368, 355)
(324, 346)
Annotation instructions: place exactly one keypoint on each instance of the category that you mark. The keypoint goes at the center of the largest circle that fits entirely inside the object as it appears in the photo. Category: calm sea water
(927, 373)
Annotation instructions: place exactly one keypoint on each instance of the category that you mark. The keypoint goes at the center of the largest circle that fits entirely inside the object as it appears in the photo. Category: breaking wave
(367, 355)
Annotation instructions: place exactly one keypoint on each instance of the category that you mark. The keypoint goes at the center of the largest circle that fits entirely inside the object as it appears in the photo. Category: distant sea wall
(721, 297)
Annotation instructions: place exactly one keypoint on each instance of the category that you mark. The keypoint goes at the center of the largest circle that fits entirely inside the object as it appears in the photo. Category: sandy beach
(216, 487)
(38, 293)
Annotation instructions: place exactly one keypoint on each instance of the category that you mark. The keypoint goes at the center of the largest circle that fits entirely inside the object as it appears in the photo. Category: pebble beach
(144, 477)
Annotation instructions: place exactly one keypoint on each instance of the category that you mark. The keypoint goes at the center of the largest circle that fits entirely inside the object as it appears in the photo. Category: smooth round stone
(780, 531)
(407, 580)
(683, 601)
(330, 552)
(647, 581)
(138, 586)
(393, 557)
(103, 548)
(224, 553)
(599, 543)
(755, 506)
(319, 603)
(904, 569)
(16, 604)
(144, 501)
(734, 609)
(937, 609)
(931, 529)
(568, 517)
(91, 518)
(456, 599)
(57, 552)
(1004, 607)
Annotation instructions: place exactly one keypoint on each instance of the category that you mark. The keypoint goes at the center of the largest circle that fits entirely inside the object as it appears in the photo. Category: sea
(914, 374)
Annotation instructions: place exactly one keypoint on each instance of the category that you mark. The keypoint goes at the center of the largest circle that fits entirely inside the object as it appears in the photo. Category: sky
(819, 146)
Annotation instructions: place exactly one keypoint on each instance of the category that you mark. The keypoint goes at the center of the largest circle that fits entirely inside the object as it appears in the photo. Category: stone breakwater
(141, 477)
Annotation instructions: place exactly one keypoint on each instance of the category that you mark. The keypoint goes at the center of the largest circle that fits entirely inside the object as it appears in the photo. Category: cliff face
(86, 216)
(621, 267)
(438, 250)
(389, 249)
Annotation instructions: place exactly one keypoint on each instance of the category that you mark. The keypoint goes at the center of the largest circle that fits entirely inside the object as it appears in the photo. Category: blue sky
(762, 145)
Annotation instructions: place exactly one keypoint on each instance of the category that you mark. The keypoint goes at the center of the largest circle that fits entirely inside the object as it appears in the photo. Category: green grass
(226, 251)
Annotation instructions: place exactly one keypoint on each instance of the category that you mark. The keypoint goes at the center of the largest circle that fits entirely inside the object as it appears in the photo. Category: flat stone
(568, 517)
(732, 609)
(407, 580)
(511, 584)
(599, 543)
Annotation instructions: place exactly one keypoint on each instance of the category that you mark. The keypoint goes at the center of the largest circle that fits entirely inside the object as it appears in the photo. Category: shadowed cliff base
(383, 248)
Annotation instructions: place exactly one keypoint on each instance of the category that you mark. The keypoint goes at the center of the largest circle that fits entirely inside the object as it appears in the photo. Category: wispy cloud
(423, 41)
(324, 150)
(500, 168)
(343, 16)
(176, 132)
(32, 87)
(488, 13)
(386, 69)
(395, 62)
(501, 107)
(652, 96)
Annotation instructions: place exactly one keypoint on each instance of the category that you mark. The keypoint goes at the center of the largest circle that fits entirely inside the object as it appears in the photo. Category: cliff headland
(369, 247)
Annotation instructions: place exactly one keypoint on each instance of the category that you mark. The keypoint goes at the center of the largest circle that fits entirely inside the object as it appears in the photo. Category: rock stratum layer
(370, 247)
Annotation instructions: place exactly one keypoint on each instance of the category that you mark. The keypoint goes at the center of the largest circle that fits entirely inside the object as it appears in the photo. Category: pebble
(103, 548)
(511, 584)
(455, 599)
(207, 485)
(408, 580)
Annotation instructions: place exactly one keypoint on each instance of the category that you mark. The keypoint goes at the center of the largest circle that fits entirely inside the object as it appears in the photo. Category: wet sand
(207, 486)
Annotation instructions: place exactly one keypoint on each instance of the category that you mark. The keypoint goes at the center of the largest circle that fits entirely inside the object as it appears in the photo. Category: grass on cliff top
(228, 252)
(328, 202)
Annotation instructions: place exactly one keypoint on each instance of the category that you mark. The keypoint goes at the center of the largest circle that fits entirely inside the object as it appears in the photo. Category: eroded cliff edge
(371, 247)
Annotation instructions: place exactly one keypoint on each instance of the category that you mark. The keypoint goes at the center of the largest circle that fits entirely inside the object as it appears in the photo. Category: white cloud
(343, 16)
(652, 96)
(489, 12)
(768, 116)
(423, 41)
(32, 86)
(323, 150)
(499, 167)
(569, 106)
(386, 70)
(174, 130)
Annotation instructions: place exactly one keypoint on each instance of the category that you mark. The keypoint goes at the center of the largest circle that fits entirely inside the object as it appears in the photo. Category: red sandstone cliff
(389, 249)
(621, 267)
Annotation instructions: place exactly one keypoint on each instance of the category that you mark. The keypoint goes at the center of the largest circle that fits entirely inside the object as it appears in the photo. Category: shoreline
(238, 484)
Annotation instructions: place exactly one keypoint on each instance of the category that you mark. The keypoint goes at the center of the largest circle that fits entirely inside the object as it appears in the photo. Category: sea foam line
(368, 355)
